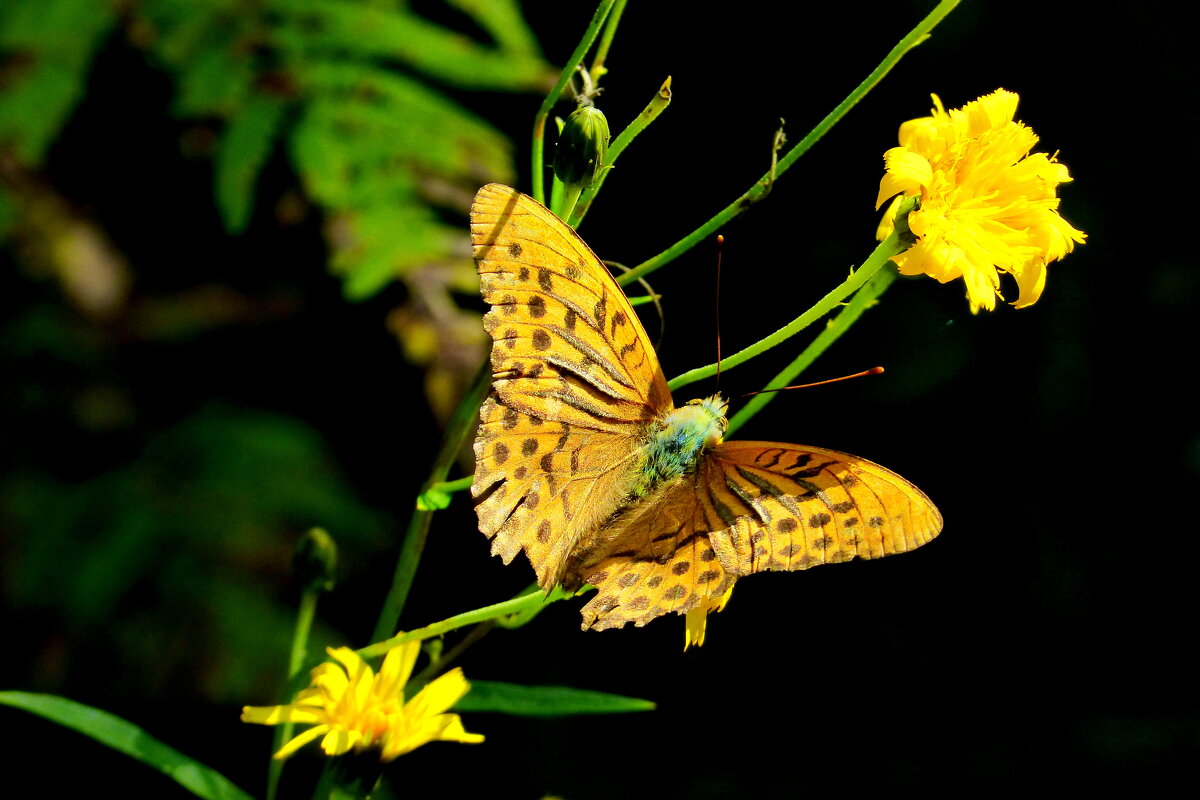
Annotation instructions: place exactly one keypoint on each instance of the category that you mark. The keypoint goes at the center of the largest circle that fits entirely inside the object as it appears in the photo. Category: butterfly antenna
(720, 251)
(863, 374)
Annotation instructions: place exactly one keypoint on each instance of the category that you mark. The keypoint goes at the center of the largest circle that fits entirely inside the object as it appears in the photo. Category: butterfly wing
(792, 507)
(666, 560)
(751, 507)
(575, 383)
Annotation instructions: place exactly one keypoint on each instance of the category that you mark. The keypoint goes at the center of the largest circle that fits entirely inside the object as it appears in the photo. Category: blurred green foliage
(199, 526)
(345, 86)
(153, 534)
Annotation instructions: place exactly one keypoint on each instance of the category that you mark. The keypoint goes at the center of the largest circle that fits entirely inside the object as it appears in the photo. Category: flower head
(697, 618)
(582, 146)
(355, 709)
(986, 204)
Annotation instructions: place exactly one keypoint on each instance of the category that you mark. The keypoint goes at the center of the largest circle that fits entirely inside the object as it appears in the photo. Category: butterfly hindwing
(665, 562)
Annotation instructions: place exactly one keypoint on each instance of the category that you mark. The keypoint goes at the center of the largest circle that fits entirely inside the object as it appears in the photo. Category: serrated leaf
(502, 19)
(125, 737)
(334, 26)
(545, 701)
(245, 146)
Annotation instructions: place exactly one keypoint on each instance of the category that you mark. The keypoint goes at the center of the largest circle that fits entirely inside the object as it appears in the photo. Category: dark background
(1041, 639)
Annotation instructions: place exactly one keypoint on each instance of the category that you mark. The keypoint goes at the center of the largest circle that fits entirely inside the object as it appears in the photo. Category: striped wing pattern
(752, 507)
(792, 507)
(575, 384)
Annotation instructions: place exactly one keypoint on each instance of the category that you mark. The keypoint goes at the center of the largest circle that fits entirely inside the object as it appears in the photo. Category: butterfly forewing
(795, 507)
(575, 383)
(567, 345)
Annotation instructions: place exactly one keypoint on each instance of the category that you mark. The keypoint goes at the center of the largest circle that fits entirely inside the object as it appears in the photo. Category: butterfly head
(708, 414)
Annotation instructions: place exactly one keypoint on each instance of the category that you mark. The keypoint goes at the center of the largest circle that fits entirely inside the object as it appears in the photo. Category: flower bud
(315, 561)
(582, 146)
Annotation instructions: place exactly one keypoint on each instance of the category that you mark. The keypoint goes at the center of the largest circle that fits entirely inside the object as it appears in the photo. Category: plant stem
(610, 30)
(887, 248)
(465, 418)
(539, 122)
(755, 193)
(506, 608)
(849, 314)
(656, 106)
(283, 733)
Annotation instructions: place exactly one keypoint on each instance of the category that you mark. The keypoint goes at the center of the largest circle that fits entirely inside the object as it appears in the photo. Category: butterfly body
(584, 462)
(677, 442)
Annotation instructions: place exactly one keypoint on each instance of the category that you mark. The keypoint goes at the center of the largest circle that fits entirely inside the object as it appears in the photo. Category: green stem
(450, 487)
(849, 314)
(610, 30)
(515, 606)
(283, 733)
(539, 122)
(915, 37)
(889, 247)
(656, 106)
(465, 418)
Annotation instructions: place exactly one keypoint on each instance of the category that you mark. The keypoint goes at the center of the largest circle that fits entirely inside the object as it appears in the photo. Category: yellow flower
(355, 709)
(697, 618)
(987, 205)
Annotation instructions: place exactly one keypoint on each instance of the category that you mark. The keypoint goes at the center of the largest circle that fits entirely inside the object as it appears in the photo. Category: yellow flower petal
(696, 621)
(441, 694)
(987, 205)
(273, 715)
(299, 741)
(354, 709)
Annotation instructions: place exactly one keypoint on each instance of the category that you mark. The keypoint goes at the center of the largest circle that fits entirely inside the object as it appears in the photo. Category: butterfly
(583, 461)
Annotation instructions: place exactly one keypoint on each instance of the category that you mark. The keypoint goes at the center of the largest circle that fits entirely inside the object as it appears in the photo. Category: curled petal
(987, 205)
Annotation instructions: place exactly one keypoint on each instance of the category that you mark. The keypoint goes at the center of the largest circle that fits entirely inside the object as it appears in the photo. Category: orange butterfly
(583, 461)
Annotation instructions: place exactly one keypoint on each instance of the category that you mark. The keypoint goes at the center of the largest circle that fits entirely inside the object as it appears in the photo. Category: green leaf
(502, 19)
(245, 147)
(545, 701)
(50, 44)
(127, 738)
(329, 27)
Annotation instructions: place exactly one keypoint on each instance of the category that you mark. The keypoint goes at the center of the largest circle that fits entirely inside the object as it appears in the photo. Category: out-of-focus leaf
(214, 82)
(125, 737)
(502, 19)
(545, 701)
(245, 146)
(46, 47)
(335, 26)
(8, 212)
(209, 507)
